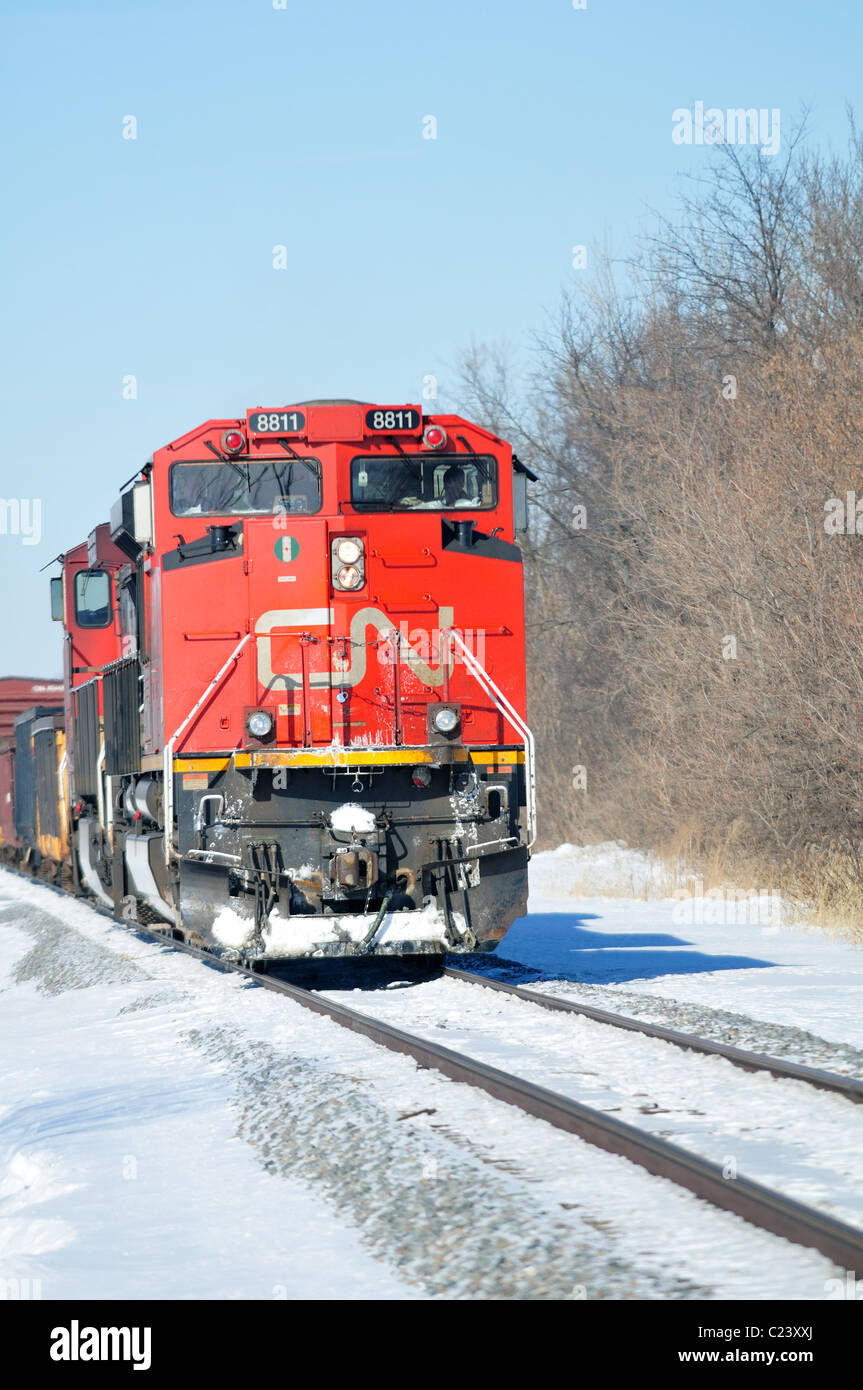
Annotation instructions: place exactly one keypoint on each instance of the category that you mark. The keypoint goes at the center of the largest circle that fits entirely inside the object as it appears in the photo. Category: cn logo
(290, 621)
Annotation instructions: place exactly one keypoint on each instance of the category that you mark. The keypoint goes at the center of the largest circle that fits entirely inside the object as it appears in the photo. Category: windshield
(424, 481)
(246, 489)
(92, 598)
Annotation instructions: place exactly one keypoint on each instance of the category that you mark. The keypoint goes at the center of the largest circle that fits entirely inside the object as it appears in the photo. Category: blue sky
(303, 127)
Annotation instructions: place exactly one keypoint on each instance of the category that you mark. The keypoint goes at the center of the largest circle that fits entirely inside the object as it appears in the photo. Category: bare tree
(694, 612)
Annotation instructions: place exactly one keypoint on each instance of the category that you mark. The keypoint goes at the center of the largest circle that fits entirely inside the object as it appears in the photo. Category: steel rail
(847, 1086)
(761, 1207)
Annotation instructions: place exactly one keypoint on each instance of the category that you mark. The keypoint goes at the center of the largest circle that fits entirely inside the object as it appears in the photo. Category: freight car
(32, 750)
(294, 690)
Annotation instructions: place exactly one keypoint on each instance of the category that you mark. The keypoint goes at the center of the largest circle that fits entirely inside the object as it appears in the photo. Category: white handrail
(168, 753)
(483, 678)
(100, 787)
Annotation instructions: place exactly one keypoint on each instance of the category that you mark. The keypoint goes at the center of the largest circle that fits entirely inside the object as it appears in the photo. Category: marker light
(349, 577)
(445, 720)
(259, 723)
(233, 442)
(434, 437)
(421, 776)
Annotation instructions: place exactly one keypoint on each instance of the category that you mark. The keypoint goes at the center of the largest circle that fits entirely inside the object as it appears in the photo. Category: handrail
(483, 679)
(168, 753)
(61, 789)
(100, 788)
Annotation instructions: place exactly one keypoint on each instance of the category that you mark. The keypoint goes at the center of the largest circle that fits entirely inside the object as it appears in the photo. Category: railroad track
(846, 1086)
(771, 1211)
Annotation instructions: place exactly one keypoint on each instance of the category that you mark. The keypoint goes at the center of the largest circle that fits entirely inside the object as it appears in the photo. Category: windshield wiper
(284, 483)
(298, 457)
(242, 472)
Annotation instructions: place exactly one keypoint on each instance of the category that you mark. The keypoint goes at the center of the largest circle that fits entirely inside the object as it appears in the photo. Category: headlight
(347, 556)
(259, 723)
(348, 551)
(445, 720)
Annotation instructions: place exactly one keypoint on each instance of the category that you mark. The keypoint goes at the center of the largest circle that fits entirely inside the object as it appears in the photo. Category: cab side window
(93, 598)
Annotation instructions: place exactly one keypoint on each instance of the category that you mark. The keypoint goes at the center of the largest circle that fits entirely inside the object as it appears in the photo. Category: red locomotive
(294, 688)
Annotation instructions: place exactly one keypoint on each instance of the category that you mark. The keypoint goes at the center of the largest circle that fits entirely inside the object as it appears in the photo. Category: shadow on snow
(557, 946)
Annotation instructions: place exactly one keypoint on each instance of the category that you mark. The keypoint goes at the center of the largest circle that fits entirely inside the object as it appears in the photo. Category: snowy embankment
(724, 951)
(167, 1130)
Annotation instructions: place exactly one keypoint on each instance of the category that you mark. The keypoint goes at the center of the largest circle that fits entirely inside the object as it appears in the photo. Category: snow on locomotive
(294, 688)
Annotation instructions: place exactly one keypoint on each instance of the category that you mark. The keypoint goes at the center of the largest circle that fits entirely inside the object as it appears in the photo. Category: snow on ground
(168, 1130)
(121, 1171)
(710, 951)
(595, 869)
